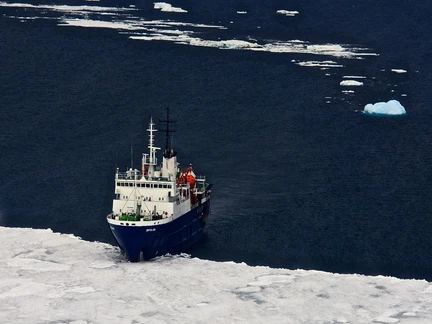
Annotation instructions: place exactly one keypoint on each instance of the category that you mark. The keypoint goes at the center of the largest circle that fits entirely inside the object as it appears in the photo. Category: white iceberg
(392, 107)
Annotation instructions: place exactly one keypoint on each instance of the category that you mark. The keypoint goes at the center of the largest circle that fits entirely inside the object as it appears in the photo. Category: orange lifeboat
(187, 177)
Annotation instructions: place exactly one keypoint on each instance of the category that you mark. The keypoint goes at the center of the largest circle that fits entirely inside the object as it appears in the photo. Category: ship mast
(168, 152)
(169, 163)
(150, 159)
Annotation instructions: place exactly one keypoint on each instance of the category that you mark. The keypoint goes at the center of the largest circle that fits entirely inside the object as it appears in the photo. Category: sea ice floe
(181, 32)
(166, 7)
(322, 64)
(353, 77)
(392, 107)
(241, 12)
(63, 8)
(89, 23)
(399, 71)
(193, 288)
(135, 25)
(351, 83)
(287, 13)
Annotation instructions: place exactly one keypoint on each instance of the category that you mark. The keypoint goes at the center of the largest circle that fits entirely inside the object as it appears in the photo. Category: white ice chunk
(287, 13)
(89, 23)
(166, 7)
(354, 77)
(322, 64)
(392, 107)
(351, 83)
(399, 71)
(242, 12)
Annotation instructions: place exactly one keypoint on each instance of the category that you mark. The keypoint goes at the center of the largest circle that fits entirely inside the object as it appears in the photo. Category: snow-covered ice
(55, 278)
(322, 64)
(287, 12)
(392, 107)
(354, 77)
(351, 83)
(63, 8)
(399, 70)
(166, 7)
(124, 22)
(89, 23)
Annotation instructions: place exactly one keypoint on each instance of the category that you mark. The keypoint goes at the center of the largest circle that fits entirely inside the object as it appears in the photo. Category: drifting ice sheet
(287, 13)
(399, 70)
(52, 278)
(123, 20)
(351, 83)
(392, 107)
(63, 8)
(166, 7)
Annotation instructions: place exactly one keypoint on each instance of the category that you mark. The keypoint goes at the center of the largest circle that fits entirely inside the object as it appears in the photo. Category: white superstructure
(156, 194)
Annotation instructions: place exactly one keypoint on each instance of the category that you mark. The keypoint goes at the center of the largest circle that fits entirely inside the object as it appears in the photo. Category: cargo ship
(161, 208)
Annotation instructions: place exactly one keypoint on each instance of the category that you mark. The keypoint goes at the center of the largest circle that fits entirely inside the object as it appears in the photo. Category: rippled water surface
(302, 179)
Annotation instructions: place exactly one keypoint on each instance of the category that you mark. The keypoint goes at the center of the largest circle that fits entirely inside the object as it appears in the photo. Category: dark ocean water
(301, 178)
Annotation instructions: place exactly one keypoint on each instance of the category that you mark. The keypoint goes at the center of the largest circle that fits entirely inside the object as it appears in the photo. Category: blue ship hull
(172, 237)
